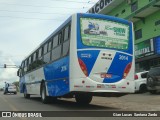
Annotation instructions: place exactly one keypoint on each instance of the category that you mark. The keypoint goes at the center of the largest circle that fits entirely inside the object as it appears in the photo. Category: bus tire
(153, 91)
(83, 99)
(44, 98)
(25, 92)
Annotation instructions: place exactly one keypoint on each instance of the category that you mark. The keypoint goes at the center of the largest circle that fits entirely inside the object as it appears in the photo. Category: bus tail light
(127, 69)
(83, 67)
(136, 77)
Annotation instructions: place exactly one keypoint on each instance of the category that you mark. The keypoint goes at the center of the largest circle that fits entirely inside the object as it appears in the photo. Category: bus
(88, 55)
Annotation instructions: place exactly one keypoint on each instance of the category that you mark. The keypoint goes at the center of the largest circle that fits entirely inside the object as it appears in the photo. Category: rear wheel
(153, 91)
(44, 98)
(143, 88)
(26, 95)
(83, 98)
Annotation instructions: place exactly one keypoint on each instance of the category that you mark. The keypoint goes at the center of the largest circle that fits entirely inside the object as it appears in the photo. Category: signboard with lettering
(157, 44)
(99, 6)
(104, 33)
(144, 49)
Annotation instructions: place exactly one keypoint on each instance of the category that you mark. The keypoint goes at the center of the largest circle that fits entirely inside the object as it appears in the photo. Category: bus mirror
(18, 72)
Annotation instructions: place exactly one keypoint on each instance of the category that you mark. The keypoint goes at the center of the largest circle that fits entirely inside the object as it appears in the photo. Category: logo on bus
(117, 30)
(86, 55)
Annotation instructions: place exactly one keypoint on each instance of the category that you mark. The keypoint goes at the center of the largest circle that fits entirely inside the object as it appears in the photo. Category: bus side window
(22, 69)
(34, 63)
(66, 33)
(50, 44)
(55, 41)
(60, 38)
(66, 41)
(45, 48)
(40, 55)
(25, 66)
(56, 52)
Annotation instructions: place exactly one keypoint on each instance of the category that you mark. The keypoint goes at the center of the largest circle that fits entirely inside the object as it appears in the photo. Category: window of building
(116, 15)
(123, 11)
(157, 22)
(134, 6)
(138, 34)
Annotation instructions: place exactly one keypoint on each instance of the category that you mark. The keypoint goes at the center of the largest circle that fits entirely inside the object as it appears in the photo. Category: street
(131, 102)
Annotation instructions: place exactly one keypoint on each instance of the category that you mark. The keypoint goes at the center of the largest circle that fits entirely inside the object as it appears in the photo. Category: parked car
(11, 89)
(141, 81)
(153, 80)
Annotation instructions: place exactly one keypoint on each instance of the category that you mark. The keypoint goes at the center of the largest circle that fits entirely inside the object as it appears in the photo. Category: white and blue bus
(88, 55)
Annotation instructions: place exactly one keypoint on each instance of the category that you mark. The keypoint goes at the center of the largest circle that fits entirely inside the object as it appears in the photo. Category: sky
(24, 24)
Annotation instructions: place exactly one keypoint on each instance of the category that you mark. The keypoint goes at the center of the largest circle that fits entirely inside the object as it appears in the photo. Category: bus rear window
(104, 33)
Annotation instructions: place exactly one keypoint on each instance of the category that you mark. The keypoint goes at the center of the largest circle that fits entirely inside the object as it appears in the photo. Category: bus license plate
(105, 75)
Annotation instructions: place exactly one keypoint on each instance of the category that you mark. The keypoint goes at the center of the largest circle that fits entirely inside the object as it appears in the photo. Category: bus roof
(59, 28)
(69, 19)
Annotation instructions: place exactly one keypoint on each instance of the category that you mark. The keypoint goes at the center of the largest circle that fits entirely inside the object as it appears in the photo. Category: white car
(11, 89)
(141, 81)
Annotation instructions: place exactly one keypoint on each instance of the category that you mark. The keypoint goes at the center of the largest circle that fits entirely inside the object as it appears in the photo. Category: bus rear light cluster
(136, 77)
(83, 67)
(127, 69)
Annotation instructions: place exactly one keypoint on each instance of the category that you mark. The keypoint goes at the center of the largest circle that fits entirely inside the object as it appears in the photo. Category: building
(145, 15)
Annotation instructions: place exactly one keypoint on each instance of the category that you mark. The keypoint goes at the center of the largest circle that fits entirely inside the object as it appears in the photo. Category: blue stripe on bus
(57, 70)
(88, 57)
(118, 69)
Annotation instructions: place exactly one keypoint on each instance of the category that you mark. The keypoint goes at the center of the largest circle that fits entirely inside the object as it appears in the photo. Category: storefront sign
(144, 49)
(100, 5)
(157, 44)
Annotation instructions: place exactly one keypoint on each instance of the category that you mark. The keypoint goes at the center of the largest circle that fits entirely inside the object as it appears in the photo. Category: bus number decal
(123, 57)
(63, 68)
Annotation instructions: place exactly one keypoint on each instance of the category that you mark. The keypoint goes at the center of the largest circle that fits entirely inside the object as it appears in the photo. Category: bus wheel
(44, 98)
(83, 99)
(25, 93)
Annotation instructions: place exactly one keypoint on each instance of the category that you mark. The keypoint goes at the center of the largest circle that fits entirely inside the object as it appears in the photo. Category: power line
(41, 6)
(30, 18)
(13, 56)
(33, 12)
(89, 2)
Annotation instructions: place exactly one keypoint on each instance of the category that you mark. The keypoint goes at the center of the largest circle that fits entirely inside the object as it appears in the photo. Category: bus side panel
(57, 77)
(33, 81)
